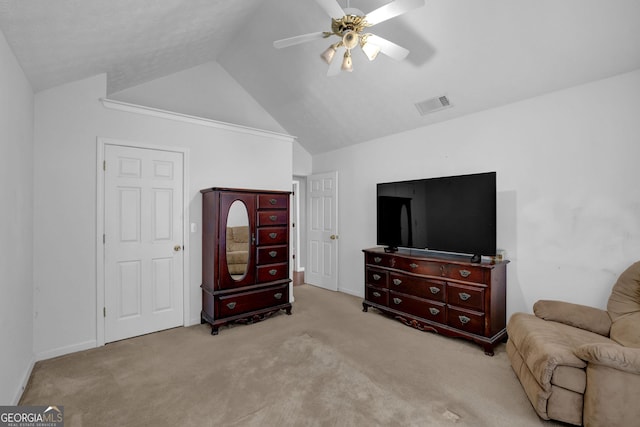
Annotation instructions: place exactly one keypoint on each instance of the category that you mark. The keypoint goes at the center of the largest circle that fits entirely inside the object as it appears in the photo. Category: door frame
(100, 205)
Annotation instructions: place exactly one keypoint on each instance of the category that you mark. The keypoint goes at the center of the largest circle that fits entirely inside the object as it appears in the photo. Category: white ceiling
(481, 54)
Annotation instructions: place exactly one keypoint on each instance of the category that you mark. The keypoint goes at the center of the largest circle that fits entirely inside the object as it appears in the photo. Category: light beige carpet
(328, 364)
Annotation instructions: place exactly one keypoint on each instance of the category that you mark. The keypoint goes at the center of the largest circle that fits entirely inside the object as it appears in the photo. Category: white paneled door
(143, 241)
(322, 230)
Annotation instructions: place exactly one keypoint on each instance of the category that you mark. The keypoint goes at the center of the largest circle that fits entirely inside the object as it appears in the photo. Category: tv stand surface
(445, 294)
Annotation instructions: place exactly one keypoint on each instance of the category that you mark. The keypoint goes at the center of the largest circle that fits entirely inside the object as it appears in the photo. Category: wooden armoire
(245, 255)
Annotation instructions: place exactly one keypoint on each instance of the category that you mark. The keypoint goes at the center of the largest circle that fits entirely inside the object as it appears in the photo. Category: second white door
(143, 241)
(322, 230)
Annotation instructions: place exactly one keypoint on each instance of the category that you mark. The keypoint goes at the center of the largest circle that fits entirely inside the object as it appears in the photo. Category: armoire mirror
(237, 240)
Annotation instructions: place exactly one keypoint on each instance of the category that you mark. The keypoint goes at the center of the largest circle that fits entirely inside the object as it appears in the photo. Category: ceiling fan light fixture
(347, 64)
(350, 39)
(328, 54)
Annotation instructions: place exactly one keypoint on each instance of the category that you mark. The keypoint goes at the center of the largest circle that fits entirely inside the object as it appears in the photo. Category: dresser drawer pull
(464, 319)
(434, 290)
(377, 294)
(413, 265)
(377, 260)
(277, 295)
(377, 277)
(273, 201)
(433, 311)
(273, 235)
(397, 300)
(442, 270)
(273, 254)
(465, 273)
(397, 282)
(273, 272)
(273, 217)
(464, 296)
(231, 305)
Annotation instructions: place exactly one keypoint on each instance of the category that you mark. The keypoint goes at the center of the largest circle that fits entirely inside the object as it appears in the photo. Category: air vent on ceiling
(433, 104)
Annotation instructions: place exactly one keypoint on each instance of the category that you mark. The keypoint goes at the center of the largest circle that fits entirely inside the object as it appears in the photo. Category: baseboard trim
(350, 292)
(61, 351)
(24, 382)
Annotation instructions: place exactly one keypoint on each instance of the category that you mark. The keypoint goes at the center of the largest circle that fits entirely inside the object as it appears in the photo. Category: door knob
(333, 237)
(177, 248)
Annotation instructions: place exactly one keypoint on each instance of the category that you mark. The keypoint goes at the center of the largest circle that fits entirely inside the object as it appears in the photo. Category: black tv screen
(448, 214)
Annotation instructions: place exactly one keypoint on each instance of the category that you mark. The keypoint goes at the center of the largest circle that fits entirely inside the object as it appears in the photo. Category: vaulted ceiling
(480, 54)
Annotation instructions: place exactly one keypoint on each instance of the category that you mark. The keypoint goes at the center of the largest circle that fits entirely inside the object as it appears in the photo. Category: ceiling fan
(349, 26)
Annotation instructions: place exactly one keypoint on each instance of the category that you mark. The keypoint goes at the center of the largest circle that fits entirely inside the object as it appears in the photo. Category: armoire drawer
(418, 286)
(273, 201)
(267, 218)
(272, 254)
(231, 305)
(272, 236)
(272, 272)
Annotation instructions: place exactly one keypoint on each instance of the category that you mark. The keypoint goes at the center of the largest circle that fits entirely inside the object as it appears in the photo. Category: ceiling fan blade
(332, 8)
(391, 10)
(304, 38)
(390, 49)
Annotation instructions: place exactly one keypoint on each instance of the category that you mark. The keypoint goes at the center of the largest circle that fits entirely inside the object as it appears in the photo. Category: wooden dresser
(442, 294)
(245, 255)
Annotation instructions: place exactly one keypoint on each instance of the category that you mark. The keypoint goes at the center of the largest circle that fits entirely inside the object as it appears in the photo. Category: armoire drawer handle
(273, 217)
(434, 290)
(273, 201)
(397, 300)
(377, 277)
(464, 319)
(273, 254)
(273, 235)
(464, 296)
(377, 260)
(433, 311)
(277, 296)
(273, 272)
(377, 294)
(231, 305)
(397, 282)
(413, 265)
(465, 273)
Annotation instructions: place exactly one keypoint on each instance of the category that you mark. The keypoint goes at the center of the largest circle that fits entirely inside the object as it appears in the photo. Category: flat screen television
(446, 214)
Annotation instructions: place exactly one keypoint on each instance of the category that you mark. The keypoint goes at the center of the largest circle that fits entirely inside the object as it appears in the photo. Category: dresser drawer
(272, 254)
(418, 307)
(231, 305)
(272, 236)
(377, 278)
(377, 295)
(382, 260)
(463, 272)
(465, 296)
(273, 201)
(466, 320)
(266, 218)
(420, 287)
(269, 273)
(416, 266)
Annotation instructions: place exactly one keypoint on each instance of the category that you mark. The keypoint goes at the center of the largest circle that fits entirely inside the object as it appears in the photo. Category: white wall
(203, 91)
(16, 234)
(69, 118)
(568, 192)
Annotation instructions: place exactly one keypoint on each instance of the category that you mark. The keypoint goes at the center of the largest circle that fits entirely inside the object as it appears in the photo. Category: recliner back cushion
(625, 296)
(626, 330)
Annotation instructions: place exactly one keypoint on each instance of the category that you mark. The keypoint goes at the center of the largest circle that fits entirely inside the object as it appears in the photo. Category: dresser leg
(365, 307)
(288, 311)
(214, 330)
(488, 349)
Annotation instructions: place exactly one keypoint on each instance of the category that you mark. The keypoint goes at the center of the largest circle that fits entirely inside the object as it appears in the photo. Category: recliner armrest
(612, 355)
(579, 316)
